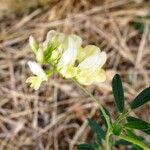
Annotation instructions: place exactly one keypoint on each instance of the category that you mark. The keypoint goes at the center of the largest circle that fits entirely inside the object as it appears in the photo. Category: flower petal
(86, 78)
(102, 59)
(77, 40)
(50, 35)
(54, 37)
(83, 78)
(40, 55)
(69, 56)
(92, 63)
(87, 51)
(69, 72)
(37, 70)
(35, 82)
(99, 76)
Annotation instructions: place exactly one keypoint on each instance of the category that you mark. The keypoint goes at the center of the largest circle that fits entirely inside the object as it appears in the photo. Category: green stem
(134, 141)
(123, 115)
(108, 140)
(101, 108)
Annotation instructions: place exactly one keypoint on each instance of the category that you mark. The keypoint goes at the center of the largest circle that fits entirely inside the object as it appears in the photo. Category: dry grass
(54, 118)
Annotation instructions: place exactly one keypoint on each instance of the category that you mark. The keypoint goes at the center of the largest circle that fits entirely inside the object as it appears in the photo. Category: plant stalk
(103, 111)
(135, 141)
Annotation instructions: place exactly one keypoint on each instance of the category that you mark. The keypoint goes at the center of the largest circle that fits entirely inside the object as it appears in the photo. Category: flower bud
(33, 44)
(40, 55)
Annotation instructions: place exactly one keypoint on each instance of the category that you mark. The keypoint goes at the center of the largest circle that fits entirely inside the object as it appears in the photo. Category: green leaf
(87, 146)
(135, 147)
(135, 141)
(98, 139)
(138, 25)
(117, 128)
(118, 92)
(132, 134)
(141, 99)
(100, 134)
(96, 128)
(139, 124)
(122, 142)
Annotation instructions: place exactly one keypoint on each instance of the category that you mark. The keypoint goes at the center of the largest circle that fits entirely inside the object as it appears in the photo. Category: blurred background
(54, 117)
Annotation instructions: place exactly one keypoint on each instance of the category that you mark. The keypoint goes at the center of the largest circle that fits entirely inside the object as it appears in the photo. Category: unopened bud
(33, 44)
(40, 55)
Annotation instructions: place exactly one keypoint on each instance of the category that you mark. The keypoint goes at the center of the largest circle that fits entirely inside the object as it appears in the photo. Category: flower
(66, 64)
(87, 51)
(33, 44)
(69, 55)
(90, 69)
(65, 55)
(39, 77)
(48, 50)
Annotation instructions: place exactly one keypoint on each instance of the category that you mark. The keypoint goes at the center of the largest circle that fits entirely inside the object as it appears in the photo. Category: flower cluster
(65, 55)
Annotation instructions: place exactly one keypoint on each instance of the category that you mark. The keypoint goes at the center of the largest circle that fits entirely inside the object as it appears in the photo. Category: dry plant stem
(107, 141)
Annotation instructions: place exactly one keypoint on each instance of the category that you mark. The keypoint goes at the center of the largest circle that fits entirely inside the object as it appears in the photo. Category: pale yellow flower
(49, 50)
(69, 56)
(33, 44)
(66, 64)
(87, 51)
(90, 69)
(66, 55)
(39, 77)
